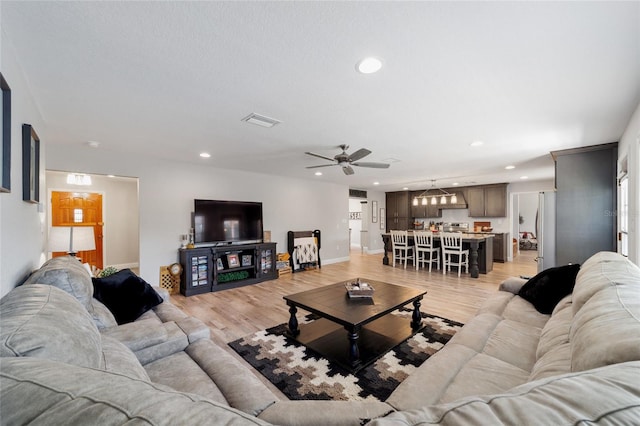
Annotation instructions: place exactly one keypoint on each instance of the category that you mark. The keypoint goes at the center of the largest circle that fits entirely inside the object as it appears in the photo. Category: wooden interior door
(80, 209)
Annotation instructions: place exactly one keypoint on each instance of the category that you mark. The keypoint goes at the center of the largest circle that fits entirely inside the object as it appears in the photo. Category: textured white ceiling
(173, 79)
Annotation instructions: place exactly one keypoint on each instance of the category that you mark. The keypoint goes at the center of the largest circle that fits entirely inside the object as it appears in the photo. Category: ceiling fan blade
(320, 156)
(372, 165)
(347, 170)
(321, 165)
(361, 153)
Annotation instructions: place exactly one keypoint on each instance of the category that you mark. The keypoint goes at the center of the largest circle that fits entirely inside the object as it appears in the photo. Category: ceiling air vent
(357, 193)
(260, 120)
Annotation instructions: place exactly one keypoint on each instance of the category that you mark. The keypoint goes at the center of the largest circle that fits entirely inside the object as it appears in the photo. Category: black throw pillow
(546, 289)
(126, 295)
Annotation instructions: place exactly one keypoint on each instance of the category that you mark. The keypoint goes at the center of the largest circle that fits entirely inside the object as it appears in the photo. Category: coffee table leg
(293, 321)
(354, 350)
(416, 317)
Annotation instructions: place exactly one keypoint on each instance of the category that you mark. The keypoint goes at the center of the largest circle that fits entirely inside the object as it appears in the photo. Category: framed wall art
(382, 218)
(374, 211)
(30, 165)
(5, 151)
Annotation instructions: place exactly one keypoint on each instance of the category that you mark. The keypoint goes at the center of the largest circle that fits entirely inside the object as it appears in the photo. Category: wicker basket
(168, 281)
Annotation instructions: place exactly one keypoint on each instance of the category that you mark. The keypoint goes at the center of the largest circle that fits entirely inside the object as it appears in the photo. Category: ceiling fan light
(434, 201)
(415, 201)
(424, 201)
(454, 199)
(443, 200)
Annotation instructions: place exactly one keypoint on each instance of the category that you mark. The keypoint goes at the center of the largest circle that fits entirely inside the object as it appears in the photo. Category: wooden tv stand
(206, 269)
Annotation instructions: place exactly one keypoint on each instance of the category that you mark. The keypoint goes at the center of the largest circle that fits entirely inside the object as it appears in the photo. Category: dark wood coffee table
(354, 331)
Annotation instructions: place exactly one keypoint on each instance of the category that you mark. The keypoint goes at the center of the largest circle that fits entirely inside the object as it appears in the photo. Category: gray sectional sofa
(66, 361)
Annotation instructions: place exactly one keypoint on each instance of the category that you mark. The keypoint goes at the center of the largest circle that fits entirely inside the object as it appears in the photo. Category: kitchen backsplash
(499, 224)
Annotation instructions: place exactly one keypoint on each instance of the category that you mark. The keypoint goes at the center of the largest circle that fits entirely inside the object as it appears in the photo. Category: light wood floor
(235, 313)
(232, 314)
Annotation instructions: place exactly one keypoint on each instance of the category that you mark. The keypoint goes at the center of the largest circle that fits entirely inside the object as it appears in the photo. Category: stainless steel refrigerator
(546, 230)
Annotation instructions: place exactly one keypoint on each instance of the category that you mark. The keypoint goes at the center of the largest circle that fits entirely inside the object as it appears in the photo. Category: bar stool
(401, 248)
(424, 247)
(452, 246)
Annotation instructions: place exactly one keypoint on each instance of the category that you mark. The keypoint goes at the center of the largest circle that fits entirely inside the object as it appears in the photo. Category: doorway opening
(110, 205)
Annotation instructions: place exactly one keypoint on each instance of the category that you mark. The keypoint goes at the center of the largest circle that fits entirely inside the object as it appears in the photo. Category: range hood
(461, 202)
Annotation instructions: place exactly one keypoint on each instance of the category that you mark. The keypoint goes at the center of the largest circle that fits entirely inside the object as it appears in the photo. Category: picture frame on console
(246, 260)
(233, 261)
(219, 264)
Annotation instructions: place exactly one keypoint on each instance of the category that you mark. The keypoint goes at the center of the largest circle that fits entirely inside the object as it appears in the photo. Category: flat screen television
(227, 222)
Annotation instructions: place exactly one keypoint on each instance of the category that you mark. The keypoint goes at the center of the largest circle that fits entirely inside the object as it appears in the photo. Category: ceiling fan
(346, 161)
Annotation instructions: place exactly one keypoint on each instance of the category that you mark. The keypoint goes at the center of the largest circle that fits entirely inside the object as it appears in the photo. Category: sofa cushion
(547, 288)
(119, 359)
(126, 295)
(606, 395)
(35, 391)
(180, 372)
(606, 328)
(45, 322)
(68, 274)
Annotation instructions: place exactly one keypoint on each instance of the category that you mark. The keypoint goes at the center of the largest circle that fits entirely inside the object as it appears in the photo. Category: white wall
(629, 147)
(527, 208)
(120, 215)
(22, 226)
(167, 190)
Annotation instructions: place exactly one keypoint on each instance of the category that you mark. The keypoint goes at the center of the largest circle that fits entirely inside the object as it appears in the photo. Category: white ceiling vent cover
(260, 120)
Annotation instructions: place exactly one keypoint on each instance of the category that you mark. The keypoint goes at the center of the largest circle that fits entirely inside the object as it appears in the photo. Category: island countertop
(481, 236)
(480, 250)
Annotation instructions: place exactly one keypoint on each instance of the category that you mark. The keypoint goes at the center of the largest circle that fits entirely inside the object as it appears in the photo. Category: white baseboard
(125, 265)
(376, 251)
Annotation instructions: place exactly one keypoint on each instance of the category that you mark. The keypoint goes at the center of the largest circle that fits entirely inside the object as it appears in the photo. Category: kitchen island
(480, 250)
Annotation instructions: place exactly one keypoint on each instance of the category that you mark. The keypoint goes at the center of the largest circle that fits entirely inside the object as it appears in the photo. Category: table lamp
(71, 239)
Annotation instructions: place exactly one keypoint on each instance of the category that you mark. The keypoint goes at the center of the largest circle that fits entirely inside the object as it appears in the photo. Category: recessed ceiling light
(205, 155)
(455, 184)
(405, 188)
(476, 143)
(376, 183)
(510, 167)
(318, 173)
(93, 144)
(111, 176)
(524, 177)
(369, 65)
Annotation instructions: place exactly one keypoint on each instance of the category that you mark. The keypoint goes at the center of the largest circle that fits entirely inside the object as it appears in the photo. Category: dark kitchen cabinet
(424, 211)
(487, 201)
(398, 210)
(501, 244)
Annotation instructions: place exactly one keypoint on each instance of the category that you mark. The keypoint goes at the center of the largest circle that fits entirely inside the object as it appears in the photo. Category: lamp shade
(71, 239)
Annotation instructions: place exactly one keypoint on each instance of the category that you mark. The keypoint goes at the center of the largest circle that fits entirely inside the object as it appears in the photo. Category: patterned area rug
(301, 373)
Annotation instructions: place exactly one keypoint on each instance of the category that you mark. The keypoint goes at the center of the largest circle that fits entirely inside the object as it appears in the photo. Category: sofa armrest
(194, 329)
(162, 293)
(512, 284)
